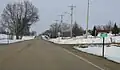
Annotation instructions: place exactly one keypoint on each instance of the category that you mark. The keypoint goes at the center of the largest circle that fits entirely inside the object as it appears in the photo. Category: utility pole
(61, 18)
(87, 19)
(56, 21)
(71, 7)
(61, 22)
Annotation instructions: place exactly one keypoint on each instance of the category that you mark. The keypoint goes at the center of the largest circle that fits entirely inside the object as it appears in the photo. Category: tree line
(110, 27)
(64, 29)
(77, 30)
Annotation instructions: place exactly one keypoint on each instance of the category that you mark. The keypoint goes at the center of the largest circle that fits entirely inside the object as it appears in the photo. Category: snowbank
(83, 40)
(79, 40)
(3, 36)
(111, 52)
(4, 39)
(28, 37)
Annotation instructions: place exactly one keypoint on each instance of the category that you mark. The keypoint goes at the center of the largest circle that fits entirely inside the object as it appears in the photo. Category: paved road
(40, 55)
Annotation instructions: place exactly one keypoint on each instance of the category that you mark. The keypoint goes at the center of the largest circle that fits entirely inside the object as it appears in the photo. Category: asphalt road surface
(41, 55)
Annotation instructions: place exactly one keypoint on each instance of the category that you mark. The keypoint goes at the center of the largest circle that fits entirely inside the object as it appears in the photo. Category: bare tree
(2, 29)
(109, 26)
(65, 27)
(99, 27)
(19, 16)
(54, 29)
(77, 30)
(33, 33)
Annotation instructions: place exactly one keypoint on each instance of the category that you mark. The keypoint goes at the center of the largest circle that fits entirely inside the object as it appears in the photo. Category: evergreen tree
(94, 33)
(77, 31)
(90, 31)
(115, 29)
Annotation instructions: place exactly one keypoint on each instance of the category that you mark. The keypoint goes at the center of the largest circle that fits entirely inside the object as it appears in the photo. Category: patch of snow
(113, 53)
(28, 37)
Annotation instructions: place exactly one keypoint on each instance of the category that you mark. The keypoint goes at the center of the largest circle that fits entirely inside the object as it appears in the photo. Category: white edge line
(84, 60)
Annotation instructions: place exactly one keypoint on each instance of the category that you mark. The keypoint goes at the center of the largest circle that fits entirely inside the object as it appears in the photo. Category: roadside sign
(103, 35)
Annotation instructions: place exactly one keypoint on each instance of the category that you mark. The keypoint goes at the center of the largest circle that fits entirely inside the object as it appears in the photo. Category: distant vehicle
(45, 37)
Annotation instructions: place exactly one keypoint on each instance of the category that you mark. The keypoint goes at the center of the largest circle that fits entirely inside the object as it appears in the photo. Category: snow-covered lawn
(111, 52)
(4, 40)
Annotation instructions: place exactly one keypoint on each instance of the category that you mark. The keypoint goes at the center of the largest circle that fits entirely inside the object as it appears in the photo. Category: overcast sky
(101, 11)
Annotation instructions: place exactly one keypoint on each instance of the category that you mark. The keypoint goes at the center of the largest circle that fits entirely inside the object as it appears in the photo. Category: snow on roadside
(79, 40)
(116, 39)
(4, 40)
(111, 53)
(82, 40)
(28, 37)
(3, 36)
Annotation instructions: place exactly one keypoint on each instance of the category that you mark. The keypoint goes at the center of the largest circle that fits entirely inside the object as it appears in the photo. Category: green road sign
(103, 35)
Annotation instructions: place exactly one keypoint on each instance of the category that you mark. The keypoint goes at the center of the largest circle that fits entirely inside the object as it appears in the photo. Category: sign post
(103, 47)
(103, 35)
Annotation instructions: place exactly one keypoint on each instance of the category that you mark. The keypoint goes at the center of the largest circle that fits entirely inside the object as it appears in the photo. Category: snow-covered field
(111, 52)
(4, 39)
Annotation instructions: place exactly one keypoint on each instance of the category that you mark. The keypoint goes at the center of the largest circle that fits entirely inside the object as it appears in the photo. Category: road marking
(84, 60)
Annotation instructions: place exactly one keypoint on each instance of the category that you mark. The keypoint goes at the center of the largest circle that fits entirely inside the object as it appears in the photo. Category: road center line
(84, 60)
